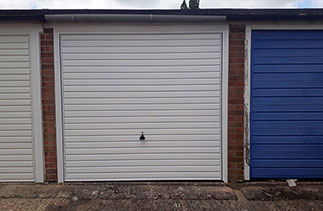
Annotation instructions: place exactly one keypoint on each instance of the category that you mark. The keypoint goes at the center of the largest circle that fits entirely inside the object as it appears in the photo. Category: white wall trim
(20, 28)
(249, 28)
(33, 31)
(58, 106)
(60, 29)
(247, 104)
(225, 89)
(136, 28)
(37, 105)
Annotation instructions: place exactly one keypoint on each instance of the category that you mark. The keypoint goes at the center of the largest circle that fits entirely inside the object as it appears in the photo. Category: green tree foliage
(184, 6)
(193, 5)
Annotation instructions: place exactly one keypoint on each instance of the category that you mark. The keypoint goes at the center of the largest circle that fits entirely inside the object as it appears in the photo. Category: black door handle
(142, 137)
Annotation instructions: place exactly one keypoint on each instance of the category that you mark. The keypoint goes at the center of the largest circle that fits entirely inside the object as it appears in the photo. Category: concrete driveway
(162, 196)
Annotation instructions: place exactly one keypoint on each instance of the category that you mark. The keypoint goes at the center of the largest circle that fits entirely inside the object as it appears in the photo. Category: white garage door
(16, 134)
(165, 85)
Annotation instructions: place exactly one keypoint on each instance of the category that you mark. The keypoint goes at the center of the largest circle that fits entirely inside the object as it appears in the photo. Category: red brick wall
(236, 102)
(48, 101)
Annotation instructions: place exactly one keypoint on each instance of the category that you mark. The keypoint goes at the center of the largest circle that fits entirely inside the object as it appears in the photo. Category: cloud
(142, 3)
(153, 4)
(316, 3)
(7, 4)
(252, 3)
(59, 4)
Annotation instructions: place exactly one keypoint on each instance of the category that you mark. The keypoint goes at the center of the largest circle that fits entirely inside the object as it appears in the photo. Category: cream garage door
(165, 86)
(16, 133)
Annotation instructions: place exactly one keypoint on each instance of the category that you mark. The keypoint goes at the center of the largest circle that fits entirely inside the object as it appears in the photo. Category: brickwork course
(48, 104)
(236, 102)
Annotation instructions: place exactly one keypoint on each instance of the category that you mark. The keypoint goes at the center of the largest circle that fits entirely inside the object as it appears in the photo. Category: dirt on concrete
(161, 196)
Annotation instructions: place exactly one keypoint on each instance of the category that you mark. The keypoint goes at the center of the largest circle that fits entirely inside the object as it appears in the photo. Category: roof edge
(231, 14)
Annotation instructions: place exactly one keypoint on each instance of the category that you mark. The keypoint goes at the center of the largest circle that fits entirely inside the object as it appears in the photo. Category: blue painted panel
(288, 151)
(289, 172)
(287, 52)
(299, 68)
(286, 35)
(286, 117)
(287, 76)
(288, 44)
(288, 59)
(288, 124)
(276, 92)
(299, 107)
(288, 83)
(289, 100)
(284, 140)
(287, 132)
(288, 163)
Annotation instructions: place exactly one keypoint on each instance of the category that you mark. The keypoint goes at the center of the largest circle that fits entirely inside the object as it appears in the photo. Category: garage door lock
(142, 137)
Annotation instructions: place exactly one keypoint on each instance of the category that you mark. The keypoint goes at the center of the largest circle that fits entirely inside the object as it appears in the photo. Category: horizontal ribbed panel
(16, 142)
(287, 104)
(166, 85)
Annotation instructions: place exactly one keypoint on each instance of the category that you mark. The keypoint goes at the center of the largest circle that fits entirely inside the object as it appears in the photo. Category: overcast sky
(154, 4)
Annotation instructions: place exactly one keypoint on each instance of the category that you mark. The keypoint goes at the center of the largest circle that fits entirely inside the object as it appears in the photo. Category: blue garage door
(287, 104)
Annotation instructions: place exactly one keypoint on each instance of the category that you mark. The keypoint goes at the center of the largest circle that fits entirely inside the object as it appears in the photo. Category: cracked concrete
(161, 196)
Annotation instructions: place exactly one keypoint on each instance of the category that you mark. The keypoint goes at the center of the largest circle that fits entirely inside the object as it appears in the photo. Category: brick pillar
(236, 102)
(48, 101)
